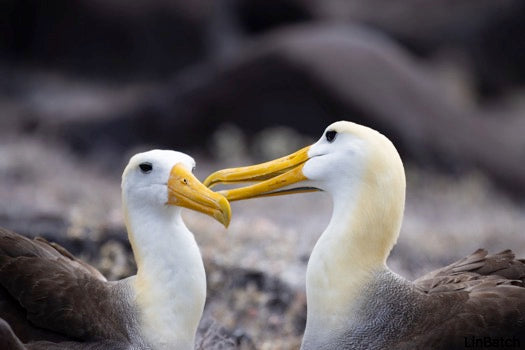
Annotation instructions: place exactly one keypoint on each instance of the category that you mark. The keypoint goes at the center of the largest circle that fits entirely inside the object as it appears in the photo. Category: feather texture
(47, 294)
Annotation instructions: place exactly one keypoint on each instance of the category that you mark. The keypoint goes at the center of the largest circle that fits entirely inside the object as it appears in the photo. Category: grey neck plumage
(385, 312)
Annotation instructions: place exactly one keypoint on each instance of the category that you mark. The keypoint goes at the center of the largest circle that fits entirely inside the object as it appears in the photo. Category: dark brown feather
(478, 296)
(55, 295)
(8, 340)
(474, 270)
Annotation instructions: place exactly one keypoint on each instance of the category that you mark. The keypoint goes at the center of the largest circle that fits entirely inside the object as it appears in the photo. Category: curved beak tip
(213, 179)
(185, 190)
(207, 181)
(225, 212)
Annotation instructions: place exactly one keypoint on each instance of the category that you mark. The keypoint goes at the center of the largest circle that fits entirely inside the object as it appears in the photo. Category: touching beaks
(185, 190)
(270, 177)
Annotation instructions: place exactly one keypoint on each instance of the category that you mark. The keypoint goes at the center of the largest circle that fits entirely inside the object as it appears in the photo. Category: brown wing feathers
(473, 270)
(57, 292)
(478, 296)
(8, 340)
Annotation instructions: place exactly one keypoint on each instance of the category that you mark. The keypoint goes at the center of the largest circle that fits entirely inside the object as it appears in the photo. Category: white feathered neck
(170, 285)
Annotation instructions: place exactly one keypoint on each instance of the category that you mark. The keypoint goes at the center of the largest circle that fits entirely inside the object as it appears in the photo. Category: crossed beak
(272, 178)
(185, 190)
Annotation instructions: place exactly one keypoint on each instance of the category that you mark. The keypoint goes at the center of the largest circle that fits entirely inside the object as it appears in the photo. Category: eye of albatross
(146, 167)
(330, 135)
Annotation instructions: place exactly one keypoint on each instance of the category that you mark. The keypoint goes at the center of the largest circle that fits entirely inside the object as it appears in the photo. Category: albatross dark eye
(146, 167)
(330, 135)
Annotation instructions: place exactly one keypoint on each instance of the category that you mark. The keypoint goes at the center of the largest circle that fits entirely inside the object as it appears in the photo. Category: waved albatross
(52, 300)
(354, 301)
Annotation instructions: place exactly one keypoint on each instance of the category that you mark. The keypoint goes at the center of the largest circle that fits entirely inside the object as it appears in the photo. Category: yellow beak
(270, 177)
(185, 190)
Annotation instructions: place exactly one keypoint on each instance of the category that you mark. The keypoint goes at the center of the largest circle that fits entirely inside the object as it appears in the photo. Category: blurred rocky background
(84, 84)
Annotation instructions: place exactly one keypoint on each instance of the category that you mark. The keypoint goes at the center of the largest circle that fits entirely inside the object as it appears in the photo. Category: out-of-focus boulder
(487, 33)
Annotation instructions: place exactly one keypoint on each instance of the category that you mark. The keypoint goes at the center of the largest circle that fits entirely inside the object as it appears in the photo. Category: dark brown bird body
(47, 295)
(476, 298)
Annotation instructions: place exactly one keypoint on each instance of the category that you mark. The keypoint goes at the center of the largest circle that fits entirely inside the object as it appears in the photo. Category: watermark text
(491, 342)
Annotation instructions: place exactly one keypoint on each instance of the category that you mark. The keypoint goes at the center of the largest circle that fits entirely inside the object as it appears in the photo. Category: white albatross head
(162, 178)
(347, 155)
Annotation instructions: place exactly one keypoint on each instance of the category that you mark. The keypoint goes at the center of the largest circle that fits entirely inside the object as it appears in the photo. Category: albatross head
(163, 179)
(347, 159)
(361, 170)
